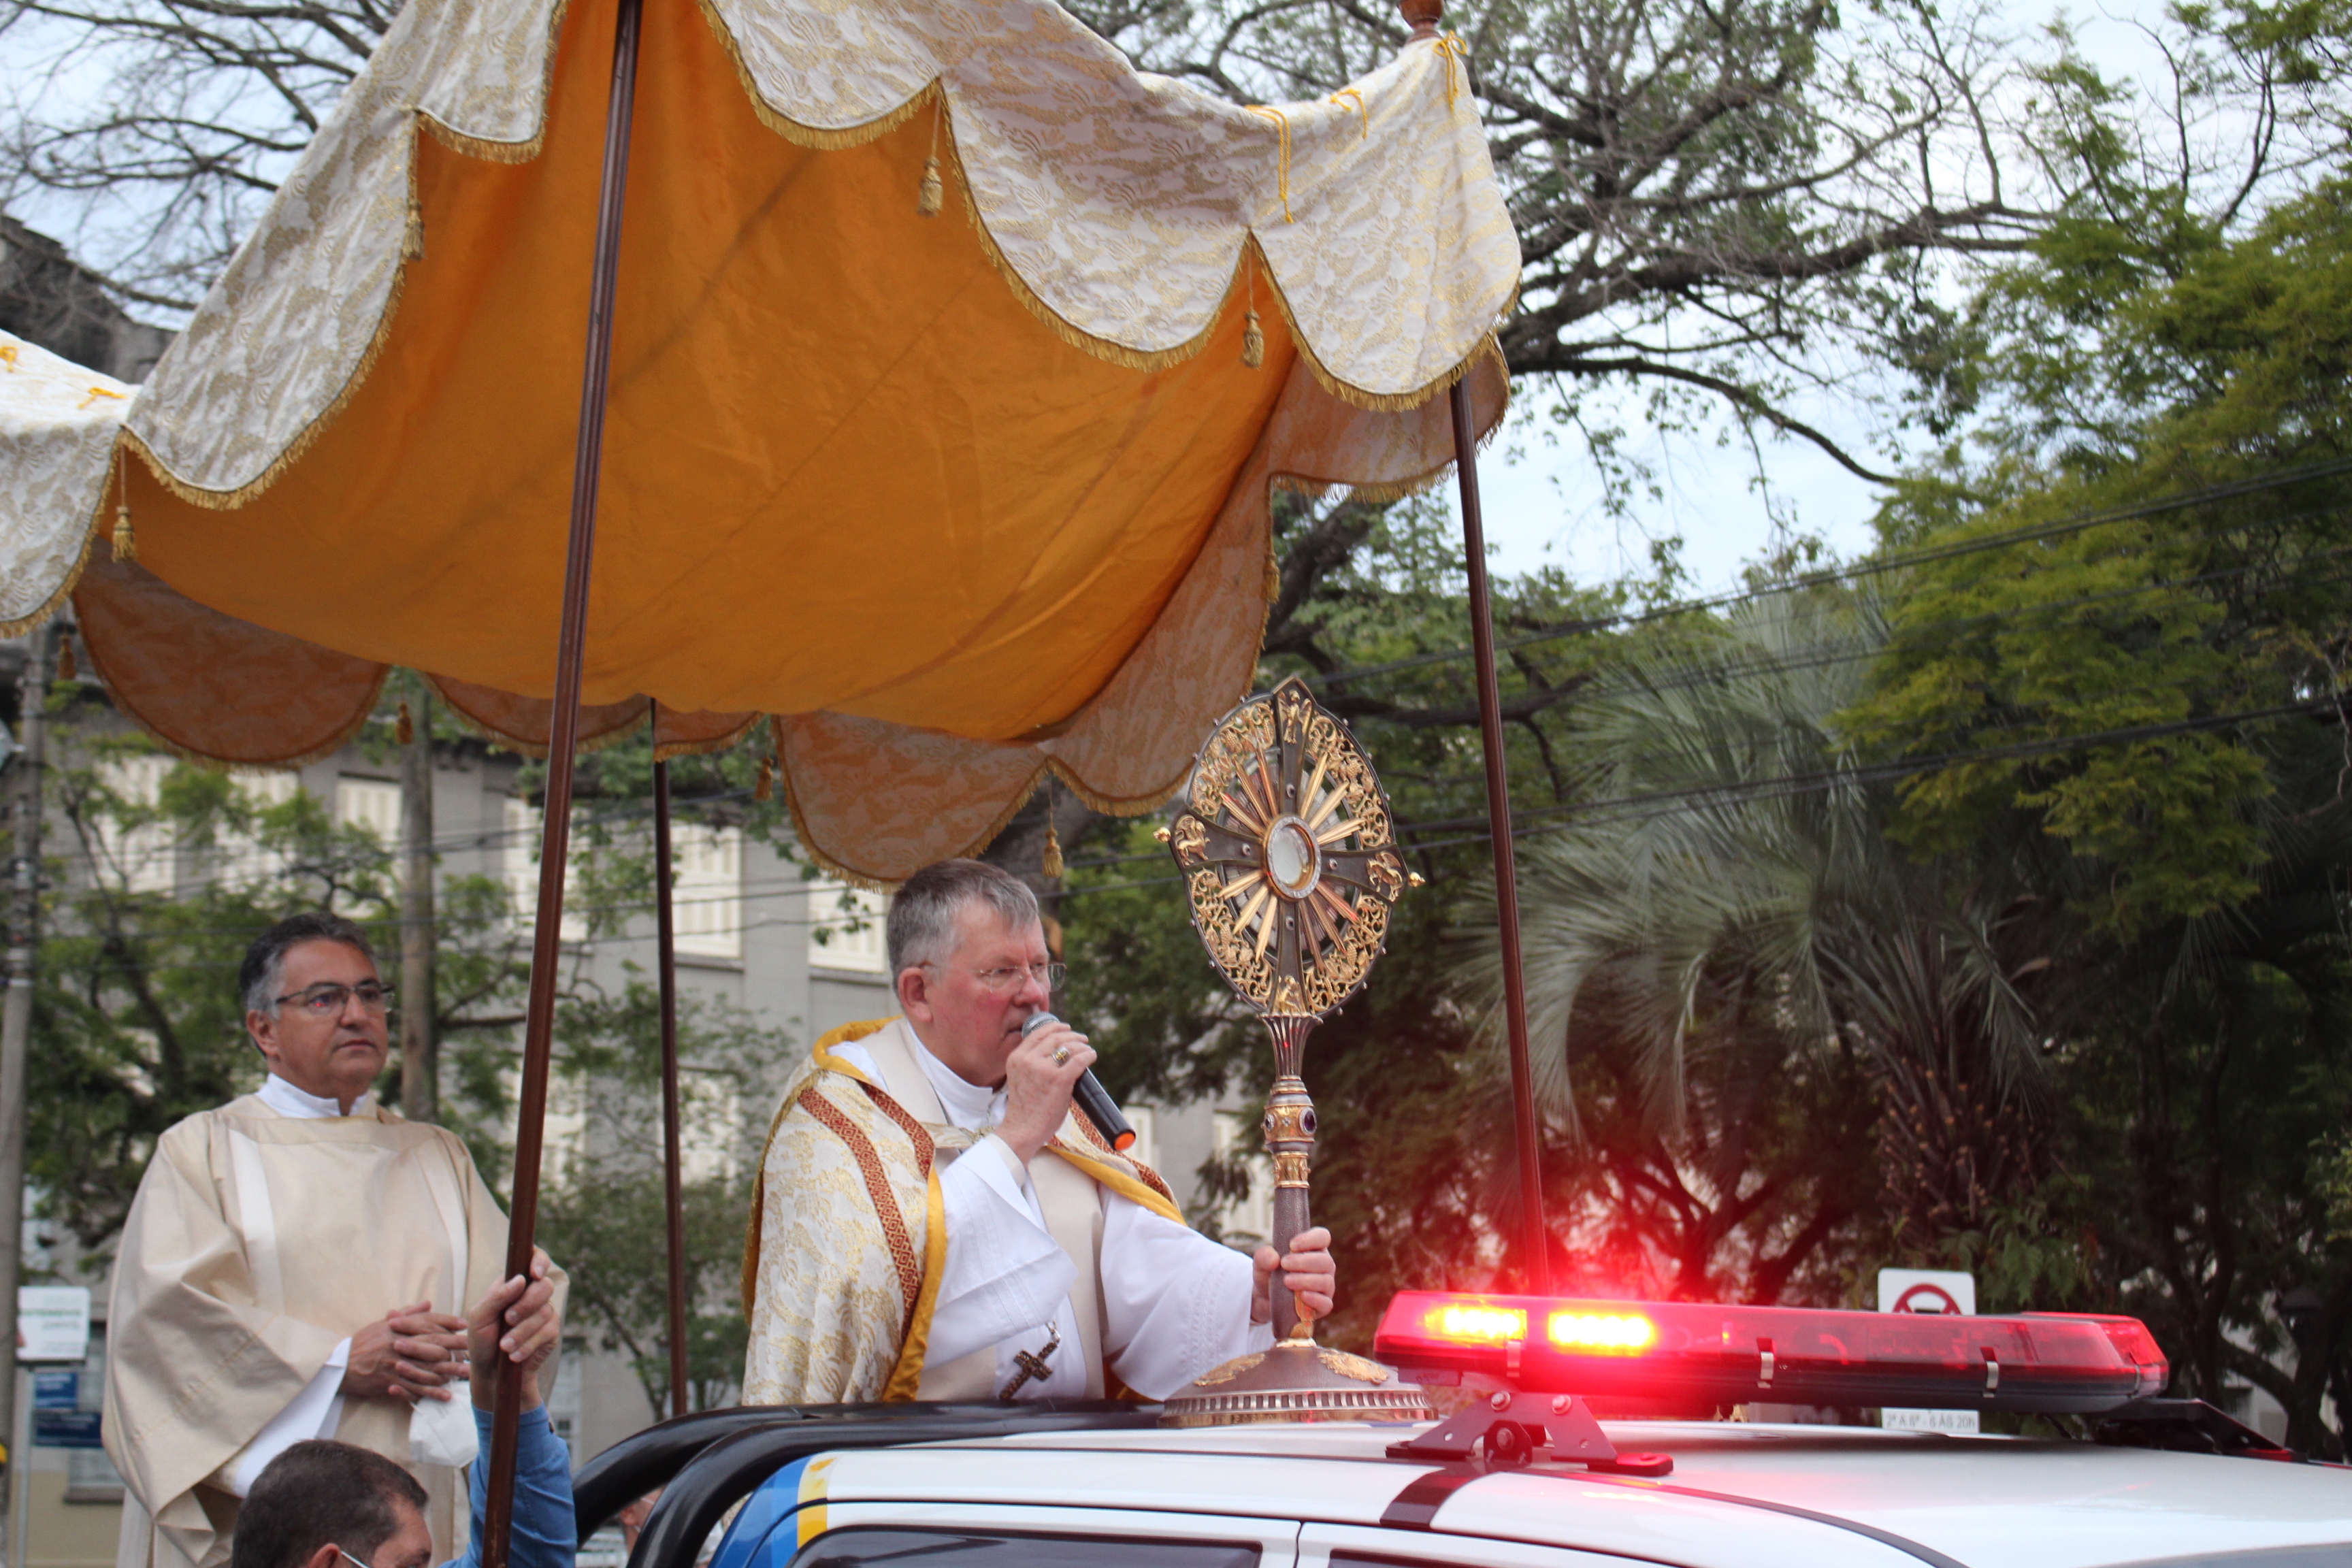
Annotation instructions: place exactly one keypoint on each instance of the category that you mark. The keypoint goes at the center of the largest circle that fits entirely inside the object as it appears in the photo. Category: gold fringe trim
(64, 590)
(1375, 491)
(536, 751)
(1077, 337)
(342, 737)
(822, 140)
(670, 751)
(412, 229)
(1108, 805)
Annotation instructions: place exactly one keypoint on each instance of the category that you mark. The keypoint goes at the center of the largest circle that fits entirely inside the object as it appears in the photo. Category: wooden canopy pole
(1535, 1247)
(563, 745)
(1535, 1261)
(673, 1191)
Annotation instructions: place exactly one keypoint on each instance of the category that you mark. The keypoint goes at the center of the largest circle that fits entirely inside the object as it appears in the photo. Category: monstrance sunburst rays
(1290, 855)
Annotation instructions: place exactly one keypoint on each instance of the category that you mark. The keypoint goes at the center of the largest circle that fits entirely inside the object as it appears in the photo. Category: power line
(1642, 807)
(1822, 655)
(1880, 565)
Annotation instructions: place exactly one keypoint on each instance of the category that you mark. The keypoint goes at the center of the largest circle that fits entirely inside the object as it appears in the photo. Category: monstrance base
(1297, 1380)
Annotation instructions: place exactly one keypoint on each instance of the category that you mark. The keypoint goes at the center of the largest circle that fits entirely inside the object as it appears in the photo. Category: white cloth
(316, 1412)
(303, 1106)
(440, 1432)
(1175, 1302)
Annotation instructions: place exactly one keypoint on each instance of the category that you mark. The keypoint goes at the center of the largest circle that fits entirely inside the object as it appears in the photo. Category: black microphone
(1092, 1098)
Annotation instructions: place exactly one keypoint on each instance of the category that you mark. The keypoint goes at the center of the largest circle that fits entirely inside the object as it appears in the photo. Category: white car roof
(1740, 1495)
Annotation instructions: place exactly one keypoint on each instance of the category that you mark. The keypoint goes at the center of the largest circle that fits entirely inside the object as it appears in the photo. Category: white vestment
(263, 1237)
(1172, 1304)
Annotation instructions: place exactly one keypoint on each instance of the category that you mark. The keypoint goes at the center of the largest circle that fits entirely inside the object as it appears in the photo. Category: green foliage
(164, 874)
(606, 1214)
(136, 1018)
(2033, 628)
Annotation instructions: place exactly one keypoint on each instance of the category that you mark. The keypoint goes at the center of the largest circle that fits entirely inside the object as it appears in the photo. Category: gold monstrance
(1290, 859)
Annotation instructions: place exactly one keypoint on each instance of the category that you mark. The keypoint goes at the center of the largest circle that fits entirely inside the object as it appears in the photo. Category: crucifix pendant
(1033, 1364)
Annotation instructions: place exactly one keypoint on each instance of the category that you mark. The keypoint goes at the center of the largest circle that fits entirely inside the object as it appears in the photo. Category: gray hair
(264, 968)
(922, 924)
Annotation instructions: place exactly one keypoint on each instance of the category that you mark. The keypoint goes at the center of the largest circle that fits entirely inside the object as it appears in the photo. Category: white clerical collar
(302, 1105)
(969, 1106)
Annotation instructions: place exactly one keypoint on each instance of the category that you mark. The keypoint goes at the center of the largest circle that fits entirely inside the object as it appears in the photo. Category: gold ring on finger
(1061, 1056)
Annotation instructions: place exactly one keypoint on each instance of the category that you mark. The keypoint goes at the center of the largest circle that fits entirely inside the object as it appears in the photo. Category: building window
(1145, 1149)
(1241, 1137)
(244, 861)
(709, 1124)
(519, 858)
(136, 860)
(371, 804)
(844, 927)
(707, 889)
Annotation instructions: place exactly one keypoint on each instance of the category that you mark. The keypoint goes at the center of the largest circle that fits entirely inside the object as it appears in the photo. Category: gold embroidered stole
(848, 1237)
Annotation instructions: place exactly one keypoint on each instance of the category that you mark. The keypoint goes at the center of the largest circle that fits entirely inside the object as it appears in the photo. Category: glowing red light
(1698, 1354)
(1611, 1333)
(1472, 1323)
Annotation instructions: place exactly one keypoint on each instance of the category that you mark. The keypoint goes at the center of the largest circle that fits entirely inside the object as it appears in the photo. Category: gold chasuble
(256, 1243)
(848, 1234)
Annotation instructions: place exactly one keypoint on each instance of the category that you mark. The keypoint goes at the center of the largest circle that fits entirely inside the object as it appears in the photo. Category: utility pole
(17, 1011)
(420, 1058)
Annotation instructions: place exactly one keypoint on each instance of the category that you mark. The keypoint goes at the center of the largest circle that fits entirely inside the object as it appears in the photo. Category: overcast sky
(1540, 497)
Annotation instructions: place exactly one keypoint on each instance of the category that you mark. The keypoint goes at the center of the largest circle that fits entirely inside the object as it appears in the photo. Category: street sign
(1927, 1290)
(66, 1429)
(52, 1322)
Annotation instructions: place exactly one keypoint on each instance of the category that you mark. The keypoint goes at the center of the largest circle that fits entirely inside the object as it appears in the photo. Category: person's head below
(968, 956)
(323, 1504)
(316, 1006)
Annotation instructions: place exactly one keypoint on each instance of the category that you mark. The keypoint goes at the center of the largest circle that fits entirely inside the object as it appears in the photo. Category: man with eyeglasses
(293, 1266)
(324, 1504)
(935, 1221)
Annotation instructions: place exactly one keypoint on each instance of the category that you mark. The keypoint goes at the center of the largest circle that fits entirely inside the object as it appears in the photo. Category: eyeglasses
(355, 1562)
(328, 999)
(1005, 981)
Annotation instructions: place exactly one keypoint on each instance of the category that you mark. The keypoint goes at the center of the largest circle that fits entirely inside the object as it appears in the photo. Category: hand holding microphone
(1047, 1071)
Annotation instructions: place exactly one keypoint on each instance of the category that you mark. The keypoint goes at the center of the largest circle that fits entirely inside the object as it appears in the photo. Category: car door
(1363, 1546)
(964, 1535)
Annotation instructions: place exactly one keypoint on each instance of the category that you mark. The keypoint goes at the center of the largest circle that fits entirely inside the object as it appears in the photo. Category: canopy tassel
(126, 543)
(412, 242)
(1253, 342)
(1052, 864)
(404, 729)
(66, 670)
(934, 191)
(765, 788)
(1272, 576)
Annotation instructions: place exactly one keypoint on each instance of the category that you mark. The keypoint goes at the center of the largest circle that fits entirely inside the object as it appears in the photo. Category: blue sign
(66, 1429)
(57, 1391)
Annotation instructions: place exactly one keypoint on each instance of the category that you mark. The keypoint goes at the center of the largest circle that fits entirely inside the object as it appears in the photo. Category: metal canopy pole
(1535, 1245)
(562, 744)
(673, 1191)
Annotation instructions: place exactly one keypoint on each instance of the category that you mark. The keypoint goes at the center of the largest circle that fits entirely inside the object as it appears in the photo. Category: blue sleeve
(545, 1534)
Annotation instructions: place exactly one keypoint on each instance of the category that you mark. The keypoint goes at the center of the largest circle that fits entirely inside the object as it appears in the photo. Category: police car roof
(1740, 1495)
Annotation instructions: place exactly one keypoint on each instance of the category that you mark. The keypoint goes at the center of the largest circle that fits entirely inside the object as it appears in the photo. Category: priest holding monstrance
(935, 1221)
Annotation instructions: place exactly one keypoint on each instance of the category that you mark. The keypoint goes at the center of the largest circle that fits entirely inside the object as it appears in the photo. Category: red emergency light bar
(2043, 1362)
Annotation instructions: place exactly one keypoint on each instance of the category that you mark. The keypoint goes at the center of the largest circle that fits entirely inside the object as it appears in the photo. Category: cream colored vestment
(258, 1242)
(852, 1201)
